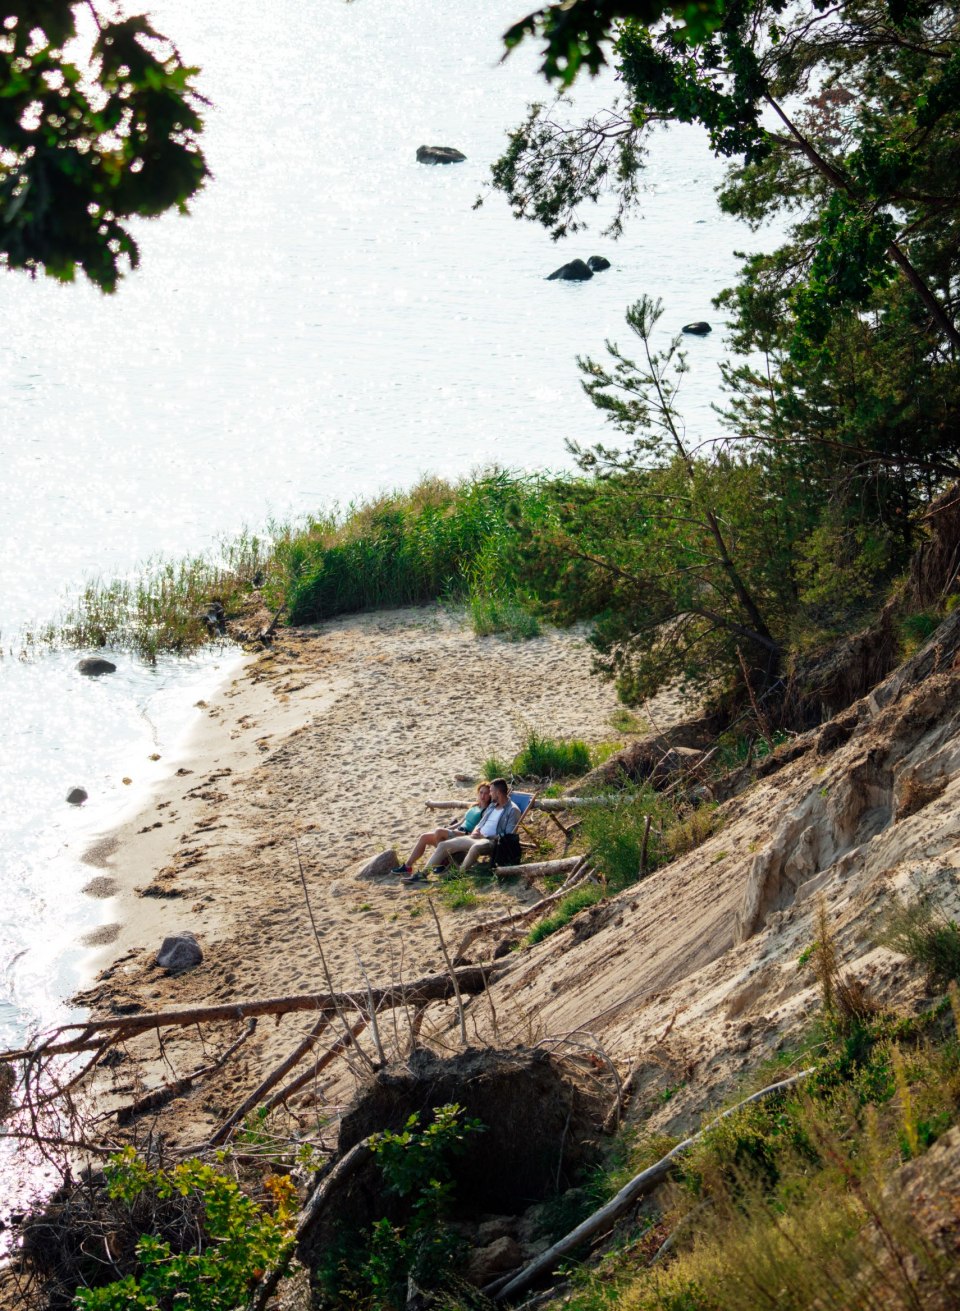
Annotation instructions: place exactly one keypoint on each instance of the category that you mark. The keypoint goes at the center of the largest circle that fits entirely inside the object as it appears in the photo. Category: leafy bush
(227, 1240)
(416, 1167)
(615, 835)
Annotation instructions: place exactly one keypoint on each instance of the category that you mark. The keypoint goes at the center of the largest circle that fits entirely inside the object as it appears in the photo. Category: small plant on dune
(542, 758)
(692, 830)
(579, 899)
(494, 613)
(550, 757)
(459, 893)
(925, 934)
(416, 1165)
(628, 837)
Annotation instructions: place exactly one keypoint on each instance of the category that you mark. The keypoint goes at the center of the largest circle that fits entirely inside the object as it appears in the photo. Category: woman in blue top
(466, 825)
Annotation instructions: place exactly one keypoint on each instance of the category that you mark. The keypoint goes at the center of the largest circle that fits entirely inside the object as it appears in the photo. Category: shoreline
(335, 736)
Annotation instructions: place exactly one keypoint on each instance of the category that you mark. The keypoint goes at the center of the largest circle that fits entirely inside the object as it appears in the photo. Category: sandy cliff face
(694, 974)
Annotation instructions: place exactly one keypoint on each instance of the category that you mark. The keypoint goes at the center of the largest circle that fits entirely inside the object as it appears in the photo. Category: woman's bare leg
(427, 840)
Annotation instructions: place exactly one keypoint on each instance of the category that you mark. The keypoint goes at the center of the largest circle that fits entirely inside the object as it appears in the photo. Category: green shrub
(416, 1167)
(492, 613)
(550, 757)
(615, 835)
(579, 899)
(227, 1240)
(923, 933)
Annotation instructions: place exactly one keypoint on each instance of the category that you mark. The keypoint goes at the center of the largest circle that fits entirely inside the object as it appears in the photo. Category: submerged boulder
(698, 329)
(575, 271)
(598, 263)
(77, 796)
(95, 665)
(439, 155)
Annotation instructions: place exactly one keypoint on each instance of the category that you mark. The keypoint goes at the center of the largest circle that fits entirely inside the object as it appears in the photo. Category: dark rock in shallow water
(598, 263)
(575, 271)
(699, 329)
(179, 952)
(439, 155)
(77, 796)
(92, 665)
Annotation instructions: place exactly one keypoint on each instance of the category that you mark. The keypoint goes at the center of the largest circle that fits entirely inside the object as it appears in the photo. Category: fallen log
(436, 987)
(638, 1187)
(541, 868)
(554, 804)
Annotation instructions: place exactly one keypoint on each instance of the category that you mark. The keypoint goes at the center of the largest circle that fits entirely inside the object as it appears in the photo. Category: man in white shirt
(501, 816)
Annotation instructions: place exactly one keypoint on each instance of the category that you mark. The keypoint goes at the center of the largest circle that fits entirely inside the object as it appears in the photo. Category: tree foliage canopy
(99, 124)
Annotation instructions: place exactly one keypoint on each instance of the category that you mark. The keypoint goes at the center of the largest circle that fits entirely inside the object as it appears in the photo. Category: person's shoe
(401, 869)
(414, 876)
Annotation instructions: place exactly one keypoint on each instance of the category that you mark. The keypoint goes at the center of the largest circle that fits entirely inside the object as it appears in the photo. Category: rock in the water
(439, 155)
(77, 796)
(575, 271)
(382, 864)
(181, 951)
(598, 263)
(699, 329)
(93, 665)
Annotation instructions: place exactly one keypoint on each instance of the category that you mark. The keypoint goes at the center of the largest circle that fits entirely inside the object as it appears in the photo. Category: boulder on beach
(180, 951)
(698, 329)
(94, 665)
(385, 863)
(77, 796)
(575, 271)
(597, 263)
(439, 155)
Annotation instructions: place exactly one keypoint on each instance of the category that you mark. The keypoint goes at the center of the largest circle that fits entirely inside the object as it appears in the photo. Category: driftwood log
(91, 1033)
(645, 1182)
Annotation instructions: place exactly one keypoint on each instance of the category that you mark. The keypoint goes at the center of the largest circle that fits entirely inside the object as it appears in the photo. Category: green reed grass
(438, 540)
(162, 606)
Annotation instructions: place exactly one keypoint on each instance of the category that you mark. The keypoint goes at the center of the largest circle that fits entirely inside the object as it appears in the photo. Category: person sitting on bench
(501, 816)
(466, 825)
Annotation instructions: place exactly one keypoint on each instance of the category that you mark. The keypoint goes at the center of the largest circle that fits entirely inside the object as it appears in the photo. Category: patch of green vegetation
(551, 758)
(459, 893)
(506, 614)
(240, 1239)
(166, 606)
(416, 1169)
(579, 899)
(925, 934)
(623, 720)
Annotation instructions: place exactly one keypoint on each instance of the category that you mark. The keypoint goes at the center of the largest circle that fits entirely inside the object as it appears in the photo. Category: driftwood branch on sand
(90, 1033)
(639, 1186)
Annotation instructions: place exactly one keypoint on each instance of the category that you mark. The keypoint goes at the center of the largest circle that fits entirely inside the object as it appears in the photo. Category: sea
(331, 319)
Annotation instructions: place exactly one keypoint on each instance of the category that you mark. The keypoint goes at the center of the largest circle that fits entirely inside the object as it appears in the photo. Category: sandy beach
(335, 738)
